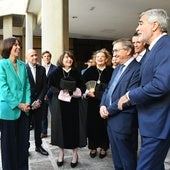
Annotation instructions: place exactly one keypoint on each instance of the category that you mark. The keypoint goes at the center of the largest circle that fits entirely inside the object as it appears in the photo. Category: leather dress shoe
(74, 164)
(41, 150)
(93, 153)
(43, 135)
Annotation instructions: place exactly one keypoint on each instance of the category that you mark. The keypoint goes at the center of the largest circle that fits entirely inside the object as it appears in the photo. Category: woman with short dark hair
(14, 107)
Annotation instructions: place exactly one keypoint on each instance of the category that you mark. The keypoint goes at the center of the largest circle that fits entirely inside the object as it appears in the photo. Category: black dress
(96, 126)
(67, 119)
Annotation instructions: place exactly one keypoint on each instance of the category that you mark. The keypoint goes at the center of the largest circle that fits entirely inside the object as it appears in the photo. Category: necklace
(99, 76)
(100, 70)
(66, 74)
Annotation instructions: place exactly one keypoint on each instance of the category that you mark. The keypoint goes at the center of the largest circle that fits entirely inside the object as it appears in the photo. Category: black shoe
(93, 153)
(102, 153)
(73, 165)
(60, 163)
(31, 127)
(44, 135)
(41, 150)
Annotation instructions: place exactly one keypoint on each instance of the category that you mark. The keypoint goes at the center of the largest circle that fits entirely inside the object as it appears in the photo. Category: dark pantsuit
(122, 151)
(15, 143)
(151, 148)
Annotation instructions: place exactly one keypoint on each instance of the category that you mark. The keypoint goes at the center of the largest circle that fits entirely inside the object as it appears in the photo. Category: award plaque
(91, 85)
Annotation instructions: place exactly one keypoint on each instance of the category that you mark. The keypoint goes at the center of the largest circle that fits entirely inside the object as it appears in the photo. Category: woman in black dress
(66, 130)
(96, 126)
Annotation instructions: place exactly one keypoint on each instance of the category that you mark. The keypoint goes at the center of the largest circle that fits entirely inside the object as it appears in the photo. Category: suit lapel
(12, 70)
(52, 67)
(125, 72)
(30, 74)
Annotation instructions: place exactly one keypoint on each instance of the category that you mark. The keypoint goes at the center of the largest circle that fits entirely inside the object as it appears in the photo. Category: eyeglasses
(117, 50)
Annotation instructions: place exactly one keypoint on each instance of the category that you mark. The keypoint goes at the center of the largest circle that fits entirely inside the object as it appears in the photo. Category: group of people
(102, 106)
(142, 89)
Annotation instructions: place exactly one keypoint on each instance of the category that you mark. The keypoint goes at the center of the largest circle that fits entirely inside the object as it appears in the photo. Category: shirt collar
(128, 62)
(31, 66)
(46, 65)
(142, 53)
(155, 40)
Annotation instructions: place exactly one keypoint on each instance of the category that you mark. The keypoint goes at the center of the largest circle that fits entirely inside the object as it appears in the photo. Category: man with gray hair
(152, 97)
(120, 123)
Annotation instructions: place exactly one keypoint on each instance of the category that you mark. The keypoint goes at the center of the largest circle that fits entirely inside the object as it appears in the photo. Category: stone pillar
(7, 27)
(55, 32)
(29, 31)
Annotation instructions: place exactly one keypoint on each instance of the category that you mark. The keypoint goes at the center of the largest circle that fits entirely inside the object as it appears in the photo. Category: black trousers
(44, 122)
(37, 118)
(15, 143)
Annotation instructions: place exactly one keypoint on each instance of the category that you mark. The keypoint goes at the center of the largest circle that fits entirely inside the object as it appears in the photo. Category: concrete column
(29, 31)
(55, 34)
(7, 27)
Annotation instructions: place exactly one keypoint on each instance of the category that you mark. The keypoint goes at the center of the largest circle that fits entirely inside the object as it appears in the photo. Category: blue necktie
(114, 83)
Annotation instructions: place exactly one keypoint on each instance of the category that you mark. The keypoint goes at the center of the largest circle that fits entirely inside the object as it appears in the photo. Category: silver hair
(159, 15)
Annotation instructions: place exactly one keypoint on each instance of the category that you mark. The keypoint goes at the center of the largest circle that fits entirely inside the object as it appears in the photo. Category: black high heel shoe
(73, 165)
(103, 153)
(60, 163)
(93, 153)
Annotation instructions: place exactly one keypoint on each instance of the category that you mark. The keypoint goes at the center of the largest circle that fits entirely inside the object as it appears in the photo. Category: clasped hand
(35, 105)
(25, 107)
(122, 101)
(104, 112)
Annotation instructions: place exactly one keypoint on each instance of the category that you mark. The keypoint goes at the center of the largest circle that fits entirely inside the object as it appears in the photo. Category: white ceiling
(8, 7)
(96, 19)
(108, 19)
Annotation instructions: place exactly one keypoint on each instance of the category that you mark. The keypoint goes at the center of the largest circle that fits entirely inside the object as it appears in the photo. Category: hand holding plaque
(91, 85)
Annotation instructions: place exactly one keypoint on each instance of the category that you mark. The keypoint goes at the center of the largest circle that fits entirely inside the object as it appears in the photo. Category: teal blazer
(14, 89)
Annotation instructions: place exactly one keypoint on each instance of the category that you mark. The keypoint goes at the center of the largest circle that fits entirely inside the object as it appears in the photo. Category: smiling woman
(14, 107)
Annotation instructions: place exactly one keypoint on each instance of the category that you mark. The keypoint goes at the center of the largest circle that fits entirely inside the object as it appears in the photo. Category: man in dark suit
(120, 123)
(46, 63)
(139, 48)
(139, 55)
(38, 84)
(152, 97)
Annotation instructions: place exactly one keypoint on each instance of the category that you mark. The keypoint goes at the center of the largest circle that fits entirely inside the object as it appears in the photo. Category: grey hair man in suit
(120, 123)
(152, 97)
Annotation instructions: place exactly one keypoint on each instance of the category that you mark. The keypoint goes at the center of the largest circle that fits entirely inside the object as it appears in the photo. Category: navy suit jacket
(122, 121)
(152, 97)
(51, 69)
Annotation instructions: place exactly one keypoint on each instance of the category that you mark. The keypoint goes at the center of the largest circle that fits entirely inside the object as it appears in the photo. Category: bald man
(38, 84)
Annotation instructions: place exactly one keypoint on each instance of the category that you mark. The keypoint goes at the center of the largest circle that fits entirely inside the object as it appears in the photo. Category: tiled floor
(40, 162)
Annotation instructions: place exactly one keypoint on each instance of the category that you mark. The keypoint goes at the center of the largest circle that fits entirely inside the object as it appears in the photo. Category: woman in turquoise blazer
(14, 107)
